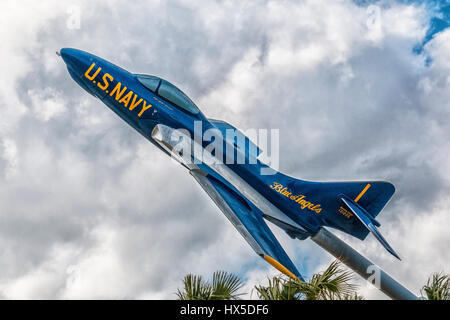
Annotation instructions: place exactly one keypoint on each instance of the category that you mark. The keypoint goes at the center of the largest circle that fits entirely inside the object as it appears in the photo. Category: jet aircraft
(164, 115)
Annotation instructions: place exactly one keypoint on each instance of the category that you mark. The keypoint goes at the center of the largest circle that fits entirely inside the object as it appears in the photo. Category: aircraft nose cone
(69, 56)
(77, 61)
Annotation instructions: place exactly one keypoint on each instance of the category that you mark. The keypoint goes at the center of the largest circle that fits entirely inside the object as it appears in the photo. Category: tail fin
(361, 207)
(351, 207)
(370, 197)
(374, 196)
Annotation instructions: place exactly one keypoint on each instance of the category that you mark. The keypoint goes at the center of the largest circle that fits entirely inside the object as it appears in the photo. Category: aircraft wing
(248, 220)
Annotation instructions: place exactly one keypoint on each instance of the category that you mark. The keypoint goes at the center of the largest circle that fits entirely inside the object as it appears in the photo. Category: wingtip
(365, 219)
(282, 268)
(395, 254)
(385, 244)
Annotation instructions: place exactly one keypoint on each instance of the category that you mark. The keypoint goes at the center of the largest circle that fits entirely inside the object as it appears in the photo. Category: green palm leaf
(277, 289)
(225, 285)
(437, 287)
(194, 289)
(332, 284)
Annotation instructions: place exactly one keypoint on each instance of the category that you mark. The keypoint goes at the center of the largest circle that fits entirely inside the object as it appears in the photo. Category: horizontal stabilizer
(368, 222)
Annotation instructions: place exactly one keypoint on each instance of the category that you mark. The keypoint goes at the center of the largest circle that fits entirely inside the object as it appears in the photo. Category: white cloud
(47, 103)
(10, 156)
(90, 209)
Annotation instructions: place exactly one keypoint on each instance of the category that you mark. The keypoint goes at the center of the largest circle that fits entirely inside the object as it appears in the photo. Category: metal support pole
(361, 264)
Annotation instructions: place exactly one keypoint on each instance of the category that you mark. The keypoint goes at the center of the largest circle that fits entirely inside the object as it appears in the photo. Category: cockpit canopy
(169, 92)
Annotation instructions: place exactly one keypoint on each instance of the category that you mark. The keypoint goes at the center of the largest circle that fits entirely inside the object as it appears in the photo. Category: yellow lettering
(86, 74)
(126, 99)
(134, 104)
(285, 193)
(299, 199)
(118, 93)
(105, 81)
(275, 185)
(341, 210)
(144, 107)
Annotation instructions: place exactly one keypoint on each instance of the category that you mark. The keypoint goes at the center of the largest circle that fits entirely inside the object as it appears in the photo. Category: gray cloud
(89, 209)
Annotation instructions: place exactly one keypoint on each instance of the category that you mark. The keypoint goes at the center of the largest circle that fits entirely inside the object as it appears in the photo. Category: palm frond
(437, 287)
(194, 289)
(278, 288)
(225, 285)
(354, 296)
(332, 284)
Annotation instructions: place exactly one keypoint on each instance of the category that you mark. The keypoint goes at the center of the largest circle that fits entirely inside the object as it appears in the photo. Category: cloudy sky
(90, 209)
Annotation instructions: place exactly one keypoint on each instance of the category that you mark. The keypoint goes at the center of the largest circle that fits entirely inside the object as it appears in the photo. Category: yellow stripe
(280, 267)
(362, 192)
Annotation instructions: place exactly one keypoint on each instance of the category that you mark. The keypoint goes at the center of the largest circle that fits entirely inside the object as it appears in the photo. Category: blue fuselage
(121, 91)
